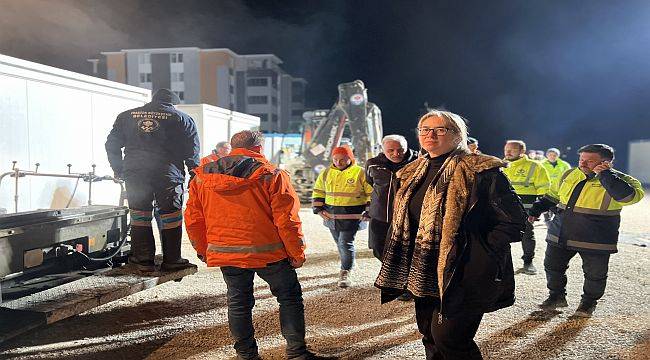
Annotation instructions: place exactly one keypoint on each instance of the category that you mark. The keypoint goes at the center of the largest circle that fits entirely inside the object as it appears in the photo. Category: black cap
(165, 96)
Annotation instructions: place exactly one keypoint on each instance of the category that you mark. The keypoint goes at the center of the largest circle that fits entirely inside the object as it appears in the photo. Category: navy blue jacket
(157, 140)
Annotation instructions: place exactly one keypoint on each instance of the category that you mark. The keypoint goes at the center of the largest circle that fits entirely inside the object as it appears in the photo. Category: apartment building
(253, 84)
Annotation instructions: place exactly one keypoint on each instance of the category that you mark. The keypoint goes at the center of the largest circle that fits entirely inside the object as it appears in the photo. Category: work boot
(171, 245)
(585, 309)
(143, 249)
(554, 301)
(344, 279)
(529, 268)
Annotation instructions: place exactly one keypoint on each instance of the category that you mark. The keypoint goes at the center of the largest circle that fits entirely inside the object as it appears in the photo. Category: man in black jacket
(380, 173)
(157, 140)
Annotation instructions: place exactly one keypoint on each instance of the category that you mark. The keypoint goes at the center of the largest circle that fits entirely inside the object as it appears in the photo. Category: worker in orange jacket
(242, 216)
(222, 149)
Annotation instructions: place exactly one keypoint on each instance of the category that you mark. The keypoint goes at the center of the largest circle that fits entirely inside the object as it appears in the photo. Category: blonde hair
(454, 121)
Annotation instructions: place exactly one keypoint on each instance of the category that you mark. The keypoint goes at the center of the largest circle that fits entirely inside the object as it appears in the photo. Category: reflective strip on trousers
(140, 217)
(246, 249)
(172, 220)
(583, 244)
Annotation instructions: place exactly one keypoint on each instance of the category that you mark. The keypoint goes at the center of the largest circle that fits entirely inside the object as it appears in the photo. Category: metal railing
(89, 177)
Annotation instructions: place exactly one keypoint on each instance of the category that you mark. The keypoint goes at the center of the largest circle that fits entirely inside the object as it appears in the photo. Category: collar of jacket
(236, 152)
(522, 159)
(249, 153)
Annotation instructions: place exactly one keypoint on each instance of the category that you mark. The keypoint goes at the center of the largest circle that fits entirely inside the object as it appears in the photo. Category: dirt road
(187, 320)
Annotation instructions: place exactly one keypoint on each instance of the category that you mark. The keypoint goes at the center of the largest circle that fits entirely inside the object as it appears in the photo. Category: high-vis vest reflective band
(593, 198)
(527, 177)
(342, 188)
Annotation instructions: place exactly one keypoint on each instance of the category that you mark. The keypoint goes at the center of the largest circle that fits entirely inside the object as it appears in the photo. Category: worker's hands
(605, 165)
(532, 219)
(296, 263)
(365, 216)
(325, 215)
(117, 177)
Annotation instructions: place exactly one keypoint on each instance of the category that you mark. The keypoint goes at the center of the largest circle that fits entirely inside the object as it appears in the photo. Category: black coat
(380, 173)
(157, 140)
(480, 277)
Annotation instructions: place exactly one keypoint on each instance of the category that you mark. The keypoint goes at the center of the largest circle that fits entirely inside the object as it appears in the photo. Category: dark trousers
(141, 192)
(594, 267)
(528, 243)
(453, 339)
(283, 281)
(377, 233)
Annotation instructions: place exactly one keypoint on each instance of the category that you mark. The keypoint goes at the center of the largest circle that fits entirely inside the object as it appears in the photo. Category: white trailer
(217, 124)
(56, 117)
(639, 160)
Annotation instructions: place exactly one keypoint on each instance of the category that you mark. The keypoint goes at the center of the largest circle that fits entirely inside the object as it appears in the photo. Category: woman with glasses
(454, 218)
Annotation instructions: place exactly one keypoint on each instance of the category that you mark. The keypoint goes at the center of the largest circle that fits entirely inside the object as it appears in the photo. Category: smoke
(60, 33)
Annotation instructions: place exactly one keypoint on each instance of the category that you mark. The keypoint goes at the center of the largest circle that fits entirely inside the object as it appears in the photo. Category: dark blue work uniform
(158, 141)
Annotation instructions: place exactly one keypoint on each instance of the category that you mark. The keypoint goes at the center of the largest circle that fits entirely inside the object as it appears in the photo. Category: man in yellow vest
(341, 196)
(555, 168)
(530, 181)
(589, 201)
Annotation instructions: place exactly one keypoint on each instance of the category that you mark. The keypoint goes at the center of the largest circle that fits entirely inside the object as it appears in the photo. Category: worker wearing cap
(341, 196)
(159, 141)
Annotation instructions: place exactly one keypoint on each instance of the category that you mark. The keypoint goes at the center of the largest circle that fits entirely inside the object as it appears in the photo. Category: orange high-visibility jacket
(242, 211)
(208, 159)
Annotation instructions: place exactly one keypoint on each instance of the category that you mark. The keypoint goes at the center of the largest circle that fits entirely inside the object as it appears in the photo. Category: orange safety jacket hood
(242, 211)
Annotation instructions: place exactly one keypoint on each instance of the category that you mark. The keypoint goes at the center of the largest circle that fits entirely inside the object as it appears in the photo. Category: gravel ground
(187, 320)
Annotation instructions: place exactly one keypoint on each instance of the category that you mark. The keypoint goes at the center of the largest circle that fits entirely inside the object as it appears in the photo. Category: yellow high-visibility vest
(527, 177)
(593, 198)
(342, 187)
(555, 172)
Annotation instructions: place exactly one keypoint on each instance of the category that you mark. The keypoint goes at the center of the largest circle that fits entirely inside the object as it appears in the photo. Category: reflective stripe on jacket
(555, 172)
(590, 208)
(336, 187)
(242, 211)
(527, 177)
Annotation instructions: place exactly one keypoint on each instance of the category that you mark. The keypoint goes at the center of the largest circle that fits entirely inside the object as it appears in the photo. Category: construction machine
(352, 121)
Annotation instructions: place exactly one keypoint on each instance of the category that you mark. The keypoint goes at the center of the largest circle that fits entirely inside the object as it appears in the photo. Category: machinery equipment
(352, 120)
(36, 247)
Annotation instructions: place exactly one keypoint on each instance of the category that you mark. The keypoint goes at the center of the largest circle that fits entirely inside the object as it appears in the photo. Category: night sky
(553, 73)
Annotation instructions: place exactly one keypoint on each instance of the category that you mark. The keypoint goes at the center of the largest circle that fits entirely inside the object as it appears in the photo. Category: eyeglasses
(439, 131)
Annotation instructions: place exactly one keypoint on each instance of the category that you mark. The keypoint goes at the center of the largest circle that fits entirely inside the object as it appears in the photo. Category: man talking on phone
(589, 199)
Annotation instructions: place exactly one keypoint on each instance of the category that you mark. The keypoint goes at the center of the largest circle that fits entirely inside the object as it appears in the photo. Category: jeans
(345, 243)
(283, 281)
(594, 267)
(528, 243)
(453, 339)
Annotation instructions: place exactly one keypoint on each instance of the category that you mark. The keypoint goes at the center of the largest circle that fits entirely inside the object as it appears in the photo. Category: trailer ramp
(61, 302)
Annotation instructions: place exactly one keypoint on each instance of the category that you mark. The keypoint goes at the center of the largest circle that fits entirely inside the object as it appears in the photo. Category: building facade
(253, 84)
